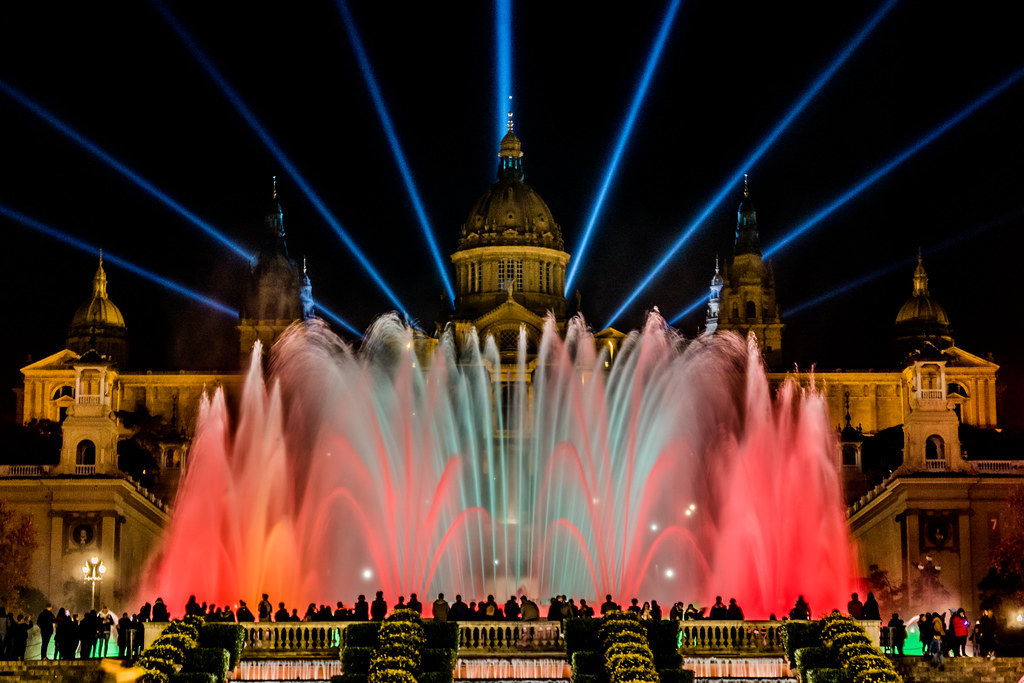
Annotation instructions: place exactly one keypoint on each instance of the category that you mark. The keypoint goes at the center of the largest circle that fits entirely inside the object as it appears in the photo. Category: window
(474, 278)
(935, 448)
(63, 392)
(543, 287)
(849, 455)
(85, 453)
(735, 312)
(751, 310)
(551, 286)
(510, 271)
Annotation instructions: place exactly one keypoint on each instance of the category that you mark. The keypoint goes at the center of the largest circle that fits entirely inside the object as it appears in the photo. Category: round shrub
(628, 647)
(877, 676)
(392, 676)
(868, 662)
(851, 650)
(850, 637)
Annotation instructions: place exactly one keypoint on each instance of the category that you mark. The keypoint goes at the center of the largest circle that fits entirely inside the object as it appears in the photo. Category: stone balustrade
(490, 637)
(293, 638)
(709, 637)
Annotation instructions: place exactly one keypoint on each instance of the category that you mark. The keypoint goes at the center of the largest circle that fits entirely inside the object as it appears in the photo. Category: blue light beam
(624, 133)
(121, 168)
(902, 263)
(396, 147)
(884, 170)
(879, 173)
(503, 61)
(279, 154)
(334, 318)
(93, 250)
(758, 152)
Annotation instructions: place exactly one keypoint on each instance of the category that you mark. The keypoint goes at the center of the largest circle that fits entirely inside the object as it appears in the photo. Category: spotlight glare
(279, 154)
(367, 574)
(396, 146)
(503, 59)
(624, 133)
(128, 173)
(758, 152)
(669, 573)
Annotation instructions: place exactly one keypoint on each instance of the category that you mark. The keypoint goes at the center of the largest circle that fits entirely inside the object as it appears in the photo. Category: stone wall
(960, 669)
(77, 671)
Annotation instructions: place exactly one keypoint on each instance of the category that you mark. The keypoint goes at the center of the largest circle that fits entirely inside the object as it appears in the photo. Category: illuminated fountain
(667, 472)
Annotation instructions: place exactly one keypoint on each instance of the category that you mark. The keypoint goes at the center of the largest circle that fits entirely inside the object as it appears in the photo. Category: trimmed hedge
(441, 634)
(676, 675)
(356, 659)
(192, 677)
(667, 661)
(212, 660)
(581, 634)
(351, 678)
(362, 634)
(827, 676)
(663, 637)
(816, 657)
(588, 663)
(588, 678)
(439, 659)
(164, 657)
(798, 634)
(231, 637)
(626, 664)
(435, 677)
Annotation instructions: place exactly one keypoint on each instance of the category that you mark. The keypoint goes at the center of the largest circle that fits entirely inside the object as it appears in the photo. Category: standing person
(160, 612)
(17, 635)
(897, 634)
(124, 627)
(265, 609)
(415, 605)
(655, 610)
(718, 611)
(924, 632)
(961, 627)
(33, 641)
(586, 611)
(244, 613)
(801, 610)
(871, 612)
(45, 622)
(855, 607)
(88, 628)
(441, 608)
(512, 609)
(937, 648)
(987, 637)
(608, 606)
(361, 611)
(634, 606)
(529, 609)
(734, 611)
(379, 608)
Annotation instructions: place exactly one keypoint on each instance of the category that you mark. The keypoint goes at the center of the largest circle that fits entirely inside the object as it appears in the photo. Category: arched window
(85, 453)
(751, 310)
(935, 448)
(735, 312)
(65, 391)
(849, 455)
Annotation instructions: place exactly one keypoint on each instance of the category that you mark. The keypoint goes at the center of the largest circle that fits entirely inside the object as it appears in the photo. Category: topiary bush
(356, 659)
(798, 634)
(828, 676)
(581, 634)
(812, 658)
(621, 633)
(192, 677)
(588, 663)
(168, 652)
(231, 637)
(212, 660)
(441, 634)
(362, 634)
(676, 676)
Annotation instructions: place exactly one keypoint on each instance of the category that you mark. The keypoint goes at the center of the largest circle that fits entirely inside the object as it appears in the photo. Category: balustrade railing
(293, 637)
(85, 469)
(935, 465)
(490, 637)
(1000, 466)
(21, 470)
(708, 637)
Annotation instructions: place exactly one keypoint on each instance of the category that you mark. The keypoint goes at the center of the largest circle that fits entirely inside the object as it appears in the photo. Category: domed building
(510, 261)
(98, 324)
(922, 325)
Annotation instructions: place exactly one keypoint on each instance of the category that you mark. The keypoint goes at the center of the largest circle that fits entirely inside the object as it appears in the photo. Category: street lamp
(93, 571)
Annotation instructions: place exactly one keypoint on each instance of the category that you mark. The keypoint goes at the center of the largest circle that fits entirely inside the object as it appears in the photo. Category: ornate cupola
(747, 239)
(510, 254)
(98, 324)
(922, 324)
(272, 298)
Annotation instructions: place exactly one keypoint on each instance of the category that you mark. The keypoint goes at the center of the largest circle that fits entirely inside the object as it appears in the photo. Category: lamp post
(93, 571)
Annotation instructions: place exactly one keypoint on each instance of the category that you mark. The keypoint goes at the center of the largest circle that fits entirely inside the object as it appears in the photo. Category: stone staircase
(961, 669)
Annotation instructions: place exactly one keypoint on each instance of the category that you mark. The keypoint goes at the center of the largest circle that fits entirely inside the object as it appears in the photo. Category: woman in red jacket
(961, 627)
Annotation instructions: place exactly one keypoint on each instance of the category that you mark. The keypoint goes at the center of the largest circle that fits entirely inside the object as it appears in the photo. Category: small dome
(510, 212)
(922, 321)
(99, 311)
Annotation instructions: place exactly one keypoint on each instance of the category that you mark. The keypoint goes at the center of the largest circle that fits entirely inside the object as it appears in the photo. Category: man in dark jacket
(512, 609)
(379, 607)
(244, 614)
(45, 623)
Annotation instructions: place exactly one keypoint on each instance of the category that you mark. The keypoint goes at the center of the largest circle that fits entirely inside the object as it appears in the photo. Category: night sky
(118, 74)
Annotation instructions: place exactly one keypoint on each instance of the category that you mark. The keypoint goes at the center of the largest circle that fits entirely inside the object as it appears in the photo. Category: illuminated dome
(510, 212)
(922, 320)
(98, 324)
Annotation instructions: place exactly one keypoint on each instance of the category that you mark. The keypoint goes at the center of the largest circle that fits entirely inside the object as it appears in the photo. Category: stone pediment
(964, 359)
(511, 311)
(61, 360)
